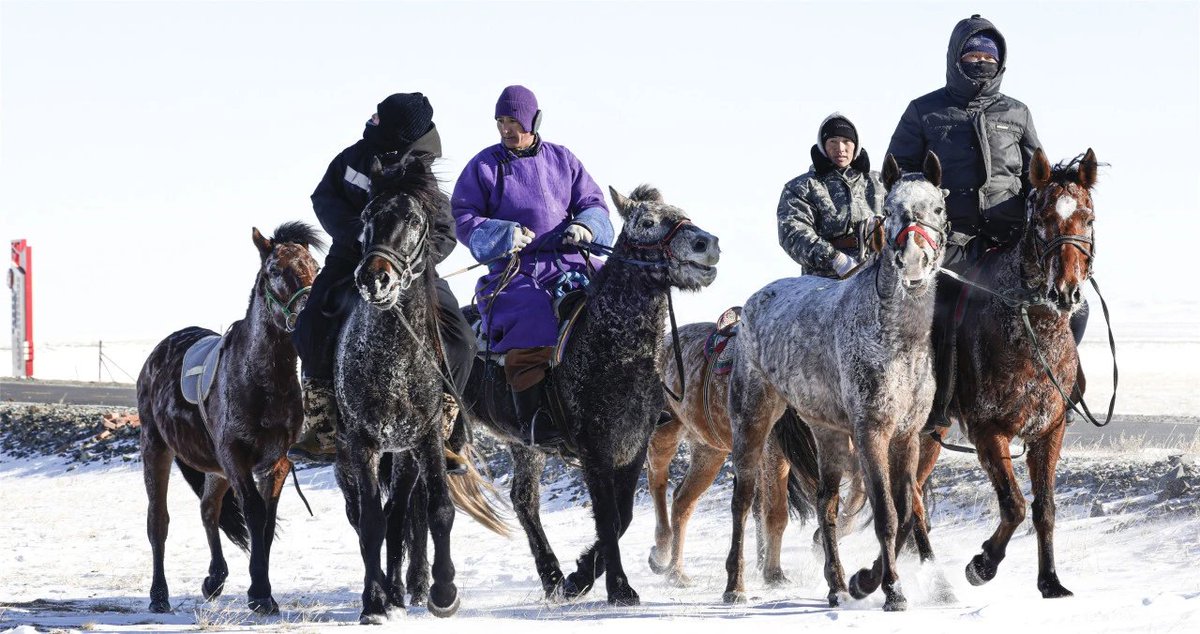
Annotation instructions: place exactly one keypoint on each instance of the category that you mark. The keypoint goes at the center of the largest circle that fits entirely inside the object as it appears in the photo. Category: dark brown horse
(1002, 390)
(231, 447)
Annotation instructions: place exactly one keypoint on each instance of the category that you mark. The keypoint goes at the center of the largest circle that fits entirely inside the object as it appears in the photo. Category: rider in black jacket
(402, 124)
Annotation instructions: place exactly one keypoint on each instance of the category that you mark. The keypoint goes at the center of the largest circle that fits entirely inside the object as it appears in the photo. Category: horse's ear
(264, 245)
(933, 169)
(1039, 170)
(1087, 169)
(376, 168)
(622, 203)
(891, 171)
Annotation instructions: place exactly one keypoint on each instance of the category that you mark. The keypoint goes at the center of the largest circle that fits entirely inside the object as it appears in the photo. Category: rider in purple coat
(534, 198)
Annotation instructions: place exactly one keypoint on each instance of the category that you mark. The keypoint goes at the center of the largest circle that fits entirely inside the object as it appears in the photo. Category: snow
(76, 545)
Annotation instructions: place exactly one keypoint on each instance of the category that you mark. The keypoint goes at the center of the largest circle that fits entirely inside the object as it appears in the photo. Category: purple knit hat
(519, 103)
(981, 42)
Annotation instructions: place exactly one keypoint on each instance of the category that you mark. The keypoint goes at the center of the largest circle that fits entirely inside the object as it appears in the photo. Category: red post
(20, 280)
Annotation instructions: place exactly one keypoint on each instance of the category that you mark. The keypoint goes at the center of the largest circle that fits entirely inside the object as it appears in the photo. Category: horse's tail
(797, 443)
(474, 494)
(232, 521)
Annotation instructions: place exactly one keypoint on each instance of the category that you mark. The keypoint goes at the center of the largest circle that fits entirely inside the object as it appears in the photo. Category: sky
(140, 142)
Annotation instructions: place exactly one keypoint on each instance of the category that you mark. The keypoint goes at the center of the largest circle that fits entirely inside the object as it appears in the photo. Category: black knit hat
(838, 126)
(405, 117)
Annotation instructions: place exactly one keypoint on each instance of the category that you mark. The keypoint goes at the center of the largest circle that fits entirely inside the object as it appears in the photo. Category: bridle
(411, 263)
(663, 245)
(288, 308)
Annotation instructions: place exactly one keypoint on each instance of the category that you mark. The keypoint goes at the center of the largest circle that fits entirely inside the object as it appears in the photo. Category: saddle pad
(200, 368)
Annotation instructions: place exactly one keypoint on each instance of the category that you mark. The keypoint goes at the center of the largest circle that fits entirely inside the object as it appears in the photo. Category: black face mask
(980, 71)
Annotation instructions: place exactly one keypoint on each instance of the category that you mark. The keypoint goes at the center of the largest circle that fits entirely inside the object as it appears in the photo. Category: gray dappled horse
(232, 446)
(608, 386)
(388, 377)
(853, 359)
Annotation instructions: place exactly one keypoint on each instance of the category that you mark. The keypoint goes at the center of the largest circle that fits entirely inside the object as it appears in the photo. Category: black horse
(389, 373)
(239, 433)
(606, 390)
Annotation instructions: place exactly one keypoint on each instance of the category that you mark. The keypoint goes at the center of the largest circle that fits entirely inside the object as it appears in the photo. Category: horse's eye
(647, 224)
(414, 221)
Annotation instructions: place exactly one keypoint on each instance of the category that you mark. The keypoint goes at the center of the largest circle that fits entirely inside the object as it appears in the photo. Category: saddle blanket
(200, 368)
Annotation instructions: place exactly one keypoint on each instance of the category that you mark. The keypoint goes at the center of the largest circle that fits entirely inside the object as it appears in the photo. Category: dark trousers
(332, 296)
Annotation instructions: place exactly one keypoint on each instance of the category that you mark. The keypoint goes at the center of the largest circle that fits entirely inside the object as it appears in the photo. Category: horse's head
(663, 240)
(395, 234)
(287, 270)
(1060, 234)
(916, 225)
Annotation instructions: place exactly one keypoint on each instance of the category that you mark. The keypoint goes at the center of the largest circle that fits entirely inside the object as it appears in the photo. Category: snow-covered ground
(75, 556)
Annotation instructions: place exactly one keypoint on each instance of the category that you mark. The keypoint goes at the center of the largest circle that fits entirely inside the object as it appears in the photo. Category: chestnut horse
(239, 433)
(1003, 390)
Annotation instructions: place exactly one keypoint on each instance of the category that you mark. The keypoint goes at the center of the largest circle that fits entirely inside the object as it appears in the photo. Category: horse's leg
(604, 557)
(359, 481)
(1042, 460)
(416, 535)
(525, 494)
(254, 508)
(997, 463)
(270, 486)
(663, 445)
(443, 594)
(855, 502)
(753, 407)
(772, 494)
(930, 450)
(833, 449)
(400, 513)
(874, 452)
(215, 487)
(156, 472)
(706, 463)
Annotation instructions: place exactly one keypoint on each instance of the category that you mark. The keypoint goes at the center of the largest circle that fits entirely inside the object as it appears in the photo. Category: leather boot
(318, 437)
(536, 424)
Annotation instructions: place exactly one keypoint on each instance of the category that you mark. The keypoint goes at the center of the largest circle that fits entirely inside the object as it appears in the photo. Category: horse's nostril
(384, 279)
(700, 245)
(1052, 295)
(1076, 296)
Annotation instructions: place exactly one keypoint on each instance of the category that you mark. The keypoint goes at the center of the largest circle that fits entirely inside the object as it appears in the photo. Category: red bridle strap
(917, 229)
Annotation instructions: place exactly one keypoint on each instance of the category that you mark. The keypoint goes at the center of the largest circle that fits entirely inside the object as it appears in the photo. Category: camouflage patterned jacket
(825, 204)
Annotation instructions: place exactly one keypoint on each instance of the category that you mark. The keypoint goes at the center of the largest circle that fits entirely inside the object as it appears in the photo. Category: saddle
(716, 360)
(200, 369)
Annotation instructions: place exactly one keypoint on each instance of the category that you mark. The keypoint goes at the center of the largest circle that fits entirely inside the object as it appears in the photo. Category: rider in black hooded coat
(403, 124)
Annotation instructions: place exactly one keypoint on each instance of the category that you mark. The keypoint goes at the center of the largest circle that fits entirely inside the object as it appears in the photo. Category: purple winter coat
(543, 191)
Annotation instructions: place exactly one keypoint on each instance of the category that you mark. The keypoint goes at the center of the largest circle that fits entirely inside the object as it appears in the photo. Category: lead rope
(678, 354)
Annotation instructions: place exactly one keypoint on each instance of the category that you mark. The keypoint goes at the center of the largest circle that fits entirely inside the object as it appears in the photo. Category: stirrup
(554, 442)
(935, 424)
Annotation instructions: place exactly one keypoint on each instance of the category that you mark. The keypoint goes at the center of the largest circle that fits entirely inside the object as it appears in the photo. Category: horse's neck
(259, 341)
(625, 312)
(1015, 271)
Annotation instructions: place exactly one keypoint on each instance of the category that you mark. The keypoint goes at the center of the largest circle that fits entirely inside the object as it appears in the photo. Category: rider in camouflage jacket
(822, 212)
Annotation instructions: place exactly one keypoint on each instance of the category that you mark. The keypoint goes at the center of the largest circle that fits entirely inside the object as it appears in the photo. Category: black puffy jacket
(985, 141)
(343, 192)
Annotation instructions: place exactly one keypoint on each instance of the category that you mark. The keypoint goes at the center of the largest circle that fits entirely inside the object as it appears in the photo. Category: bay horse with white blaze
(232, 445)
(852, 357)
(1002, 390)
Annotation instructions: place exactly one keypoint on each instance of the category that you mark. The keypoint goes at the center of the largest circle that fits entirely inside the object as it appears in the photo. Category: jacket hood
(821, 164)
(837, 115)
(429, 143)
(963, 88)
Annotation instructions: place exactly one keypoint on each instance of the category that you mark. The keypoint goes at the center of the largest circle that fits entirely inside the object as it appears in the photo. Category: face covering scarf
(980, 71)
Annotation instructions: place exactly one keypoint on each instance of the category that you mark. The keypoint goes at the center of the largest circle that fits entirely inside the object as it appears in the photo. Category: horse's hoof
(444, 612)
(1052, 589)
(419, 597)
(776, 579)
(656, 566)
(160, 607)
(980, 570)
(372, 619)
(572, 590)
(624, 597)
(734, 596)
(264, 606)
(212, 587)
(679, 579)
(835, 598)
(862, 585)
(895, 603)
(394, 612)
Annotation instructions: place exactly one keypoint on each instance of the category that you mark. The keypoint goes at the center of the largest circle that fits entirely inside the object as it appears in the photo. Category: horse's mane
(411, 175)
(296, 232)
(645, 194)
(1067, 171)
